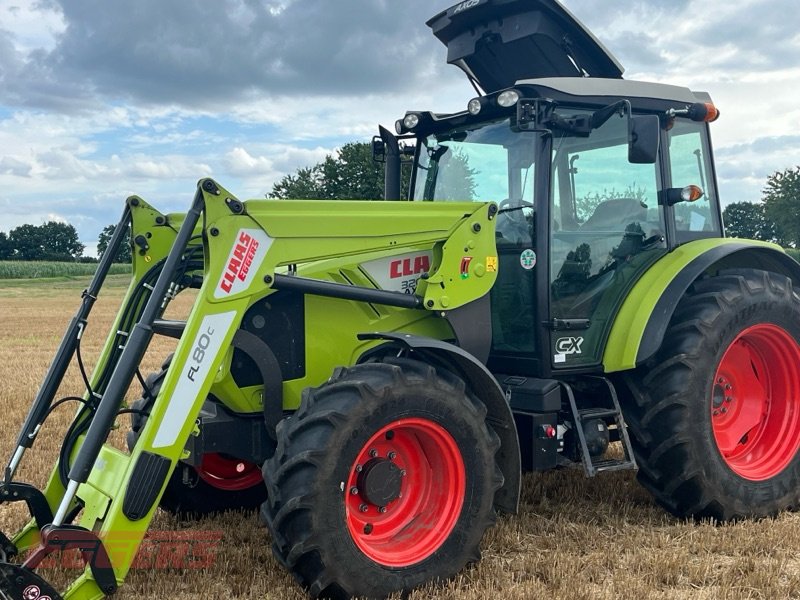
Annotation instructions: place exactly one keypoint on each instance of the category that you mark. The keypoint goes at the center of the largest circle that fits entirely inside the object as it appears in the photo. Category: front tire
(382, 480)
(715, 417)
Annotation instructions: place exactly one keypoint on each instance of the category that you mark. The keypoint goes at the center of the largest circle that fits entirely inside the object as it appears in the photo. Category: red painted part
(418, 522)
(755, 402)
(228, 474)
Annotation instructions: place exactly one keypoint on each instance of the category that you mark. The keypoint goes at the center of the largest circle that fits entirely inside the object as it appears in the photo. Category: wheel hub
(380, 481)
(405, 492)
(754, 416)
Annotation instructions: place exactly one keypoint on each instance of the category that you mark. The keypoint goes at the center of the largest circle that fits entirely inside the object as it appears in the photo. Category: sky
(102, 99)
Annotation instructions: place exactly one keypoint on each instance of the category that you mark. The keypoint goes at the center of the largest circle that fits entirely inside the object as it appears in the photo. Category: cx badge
(569, 345)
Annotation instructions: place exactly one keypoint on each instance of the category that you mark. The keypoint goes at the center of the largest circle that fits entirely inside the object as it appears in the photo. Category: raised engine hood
(498, 42)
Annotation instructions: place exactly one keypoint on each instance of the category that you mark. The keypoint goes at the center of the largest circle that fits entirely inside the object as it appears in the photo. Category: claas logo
(406, 267)
(240, 262)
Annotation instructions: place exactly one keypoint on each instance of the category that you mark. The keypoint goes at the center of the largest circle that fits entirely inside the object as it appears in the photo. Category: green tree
(51, 241)
(748, 220)
(350, 175)
(782, 205)
(6, 250)
(61, 242)
(27, 242)
(124, 254)
(455, 178)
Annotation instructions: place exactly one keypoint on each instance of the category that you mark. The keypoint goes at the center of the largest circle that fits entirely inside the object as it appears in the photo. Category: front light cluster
(505, 99)
(407, 123)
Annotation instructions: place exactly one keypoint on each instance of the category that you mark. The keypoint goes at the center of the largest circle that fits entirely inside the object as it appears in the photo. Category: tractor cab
(594, 179)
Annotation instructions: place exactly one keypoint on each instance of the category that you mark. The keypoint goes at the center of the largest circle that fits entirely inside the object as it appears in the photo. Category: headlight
(474, 106)
(508, 98)
(411, 120)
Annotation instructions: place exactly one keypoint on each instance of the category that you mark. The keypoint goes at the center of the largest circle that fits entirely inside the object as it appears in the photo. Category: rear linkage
(52, 510)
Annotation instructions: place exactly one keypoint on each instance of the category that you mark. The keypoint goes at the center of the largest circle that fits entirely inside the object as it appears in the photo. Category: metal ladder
(594, 465)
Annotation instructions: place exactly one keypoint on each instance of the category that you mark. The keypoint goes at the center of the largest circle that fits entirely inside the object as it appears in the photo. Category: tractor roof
(591, 89)
(498, 42)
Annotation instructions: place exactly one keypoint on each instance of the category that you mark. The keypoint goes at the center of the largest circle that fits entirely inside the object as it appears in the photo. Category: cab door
(606, 228)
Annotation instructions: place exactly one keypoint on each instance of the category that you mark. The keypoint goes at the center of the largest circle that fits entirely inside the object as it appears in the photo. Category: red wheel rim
(754, 411)
(429, 482)
(228, 474)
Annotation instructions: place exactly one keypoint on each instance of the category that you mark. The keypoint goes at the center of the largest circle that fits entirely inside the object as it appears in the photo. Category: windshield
(492, 163)
(487, 163)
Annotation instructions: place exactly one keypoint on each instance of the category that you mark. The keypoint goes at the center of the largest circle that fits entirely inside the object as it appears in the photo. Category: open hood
(498, 42)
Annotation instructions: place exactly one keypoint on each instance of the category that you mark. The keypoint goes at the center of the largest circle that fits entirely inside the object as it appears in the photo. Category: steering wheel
(513, 228)
(508, 204)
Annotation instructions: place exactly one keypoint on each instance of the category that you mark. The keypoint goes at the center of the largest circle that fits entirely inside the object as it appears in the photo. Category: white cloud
(86, 120)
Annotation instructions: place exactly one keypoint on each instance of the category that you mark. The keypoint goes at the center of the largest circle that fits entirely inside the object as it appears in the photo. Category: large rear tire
(382, 480)
(715, 417)
(220, 483)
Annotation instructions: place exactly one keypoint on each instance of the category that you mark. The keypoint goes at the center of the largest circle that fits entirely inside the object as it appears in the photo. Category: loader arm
(249, 250)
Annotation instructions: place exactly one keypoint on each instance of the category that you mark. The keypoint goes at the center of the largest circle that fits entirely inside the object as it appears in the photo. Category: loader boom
(251, 250)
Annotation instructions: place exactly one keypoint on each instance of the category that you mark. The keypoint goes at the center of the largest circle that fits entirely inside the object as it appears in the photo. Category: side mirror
(644, 132)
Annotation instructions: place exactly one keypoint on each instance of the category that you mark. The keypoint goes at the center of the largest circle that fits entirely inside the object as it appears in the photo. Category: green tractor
(377, 376)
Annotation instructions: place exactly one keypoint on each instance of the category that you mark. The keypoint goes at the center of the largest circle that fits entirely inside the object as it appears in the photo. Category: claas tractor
(375, 377)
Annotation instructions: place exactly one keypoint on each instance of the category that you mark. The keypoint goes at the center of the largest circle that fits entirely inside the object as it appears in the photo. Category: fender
(642, 321)
(485, 386)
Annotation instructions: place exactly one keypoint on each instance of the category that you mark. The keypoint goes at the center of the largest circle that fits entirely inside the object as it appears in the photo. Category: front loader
(376, 376)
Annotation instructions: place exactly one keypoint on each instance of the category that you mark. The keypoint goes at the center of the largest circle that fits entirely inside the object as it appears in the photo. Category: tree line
(776, 218)
(51, 241)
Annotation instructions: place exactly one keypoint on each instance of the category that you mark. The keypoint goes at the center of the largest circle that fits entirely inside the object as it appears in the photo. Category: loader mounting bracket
(93, 552)
(33, 497)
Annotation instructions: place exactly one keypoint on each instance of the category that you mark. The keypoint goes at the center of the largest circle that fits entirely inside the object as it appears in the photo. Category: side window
(604, 208)
(690, 165)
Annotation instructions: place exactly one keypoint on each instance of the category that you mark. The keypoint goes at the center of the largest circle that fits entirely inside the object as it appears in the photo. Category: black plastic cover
(529, 394)
(145, 484)
(499, 42)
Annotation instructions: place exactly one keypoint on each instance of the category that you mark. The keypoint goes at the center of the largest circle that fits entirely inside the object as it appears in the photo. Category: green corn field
(22, 269)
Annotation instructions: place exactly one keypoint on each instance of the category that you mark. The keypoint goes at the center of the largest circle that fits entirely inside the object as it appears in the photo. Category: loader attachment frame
(250, 250)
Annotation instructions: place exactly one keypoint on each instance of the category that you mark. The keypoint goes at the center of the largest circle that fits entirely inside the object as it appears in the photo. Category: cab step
(599, 464)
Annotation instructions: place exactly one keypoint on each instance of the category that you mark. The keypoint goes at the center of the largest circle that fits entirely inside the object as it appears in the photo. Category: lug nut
(363, 508)
(359, 468)
(727, 386)
(373, 453)
(368, 528)
(723, 410)
(354, 490)
(728, 399)
(382, 509)
(392, 455)
(720, 381)
(403, 473)
(716, 413)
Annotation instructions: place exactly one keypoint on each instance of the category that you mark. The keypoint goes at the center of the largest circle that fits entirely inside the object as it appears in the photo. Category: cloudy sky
(101, 99)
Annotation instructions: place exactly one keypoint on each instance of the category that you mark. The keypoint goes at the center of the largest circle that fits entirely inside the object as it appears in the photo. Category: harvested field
(574, 538)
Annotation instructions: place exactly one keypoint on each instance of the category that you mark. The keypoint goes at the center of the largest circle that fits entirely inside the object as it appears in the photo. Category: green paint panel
(626, 334)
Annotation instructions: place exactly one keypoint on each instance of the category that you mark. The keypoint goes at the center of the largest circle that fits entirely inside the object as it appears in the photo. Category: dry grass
(574, 538)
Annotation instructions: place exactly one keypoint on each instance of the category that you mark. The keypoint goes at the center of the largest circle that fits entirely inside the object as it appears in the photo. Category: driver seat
(614, 215)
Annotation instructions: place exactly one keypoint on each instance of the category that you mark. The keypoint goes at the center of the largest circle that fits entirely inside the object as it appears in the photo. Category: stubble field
(574, 538)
